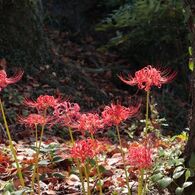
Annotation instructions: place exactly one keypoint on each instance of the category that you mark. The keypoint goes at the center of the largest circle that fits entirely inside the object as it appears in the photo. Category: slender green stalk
(98, 170)
(140, 182)
(147, 111)
(87, 177)
(11, 146)
(36, 137)
(78, 164)
(123, 158)
(145, 184)
(38, 181)
(71, 136)
(37, 173)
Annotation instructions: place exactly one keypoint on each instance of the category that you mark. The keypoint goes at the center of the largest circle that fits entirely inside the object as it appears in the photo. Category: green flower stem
(11, 146)
(147, 111)
(38, 181)
(98, 170)
(78, 164)
(140, 182)
(35, 173)
(36, 137)
(87, 177)
(123, 158)
(145, 184)
(71, 135)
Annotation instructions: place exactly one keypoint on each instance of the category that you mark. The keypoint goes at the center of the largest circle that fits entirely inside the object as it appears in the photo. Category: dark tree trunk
(190, 147)
(22, 38)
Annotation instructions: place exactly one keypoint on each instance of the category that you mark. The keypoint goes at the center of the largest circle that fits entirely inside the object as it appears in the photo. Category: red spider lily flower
(85, 149)
(66, 113)
(43, 102)
(89, 122)
(34, 120)
(148, 77)
(5, 81)
(140, 156)
(115, 114)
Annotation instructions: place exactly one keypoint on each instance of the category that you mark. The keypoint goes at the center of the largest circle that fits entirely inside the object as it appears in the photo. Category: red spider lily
(33, 120)
(66, 113)
(149, 76)
(89, 122)
(43, 102)
(115, 114)
(85, 149)
(140, 156)
(5, 81)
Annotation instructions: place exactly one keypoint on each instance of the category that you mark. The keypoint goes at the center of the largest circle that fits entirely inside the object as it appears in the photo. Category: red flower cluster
(4, 80)
(89, 122)
(140, 156)
(33, 120)
(66, 113)
(43, 102)
(115, 114)
(85, 149)
(148, 77)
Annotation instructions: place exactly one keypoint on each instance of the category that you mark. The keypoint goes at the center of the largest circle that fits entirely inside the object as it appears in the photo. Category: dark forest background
(77, 48)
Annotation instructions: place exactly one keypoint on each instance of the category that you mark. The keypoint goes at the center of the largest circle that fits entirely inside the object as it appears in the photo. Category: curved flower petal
(15, 78)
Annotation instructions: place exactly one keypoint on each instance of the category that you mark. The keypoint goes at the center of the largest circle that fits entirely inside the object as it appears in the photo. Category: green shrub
(150, 31)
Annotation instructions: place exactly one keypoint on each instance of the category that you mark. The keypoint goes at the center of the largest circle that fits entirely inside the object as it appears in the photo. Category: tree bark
(22, 38)
(189, 6)
(190, 147)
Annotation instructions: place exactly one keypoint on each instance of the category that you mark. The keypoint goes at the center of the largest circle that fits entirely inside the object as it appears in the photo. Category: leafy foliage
(151, 29)
(169, 161)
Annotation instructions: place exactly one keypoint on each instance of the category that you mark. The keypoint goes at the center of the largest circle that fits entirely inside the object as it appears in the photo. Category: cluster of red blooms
(42, 103)
(148, 77)
(140, 156)
(86, 149)
(68, 114)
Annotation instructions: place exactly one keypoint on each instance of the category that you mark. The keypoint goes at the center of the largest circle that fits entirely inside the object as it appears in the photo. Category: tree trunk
(22, 38)
(190, 147)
